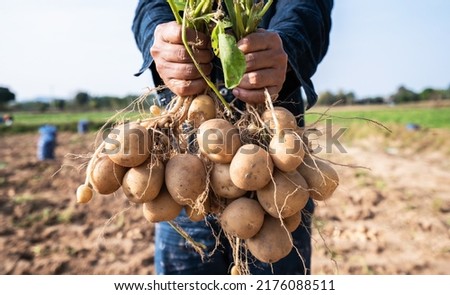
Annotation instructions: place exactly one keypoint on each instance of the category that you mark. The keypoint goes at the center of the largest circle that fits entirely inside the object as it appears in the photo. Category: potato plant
(249, 169)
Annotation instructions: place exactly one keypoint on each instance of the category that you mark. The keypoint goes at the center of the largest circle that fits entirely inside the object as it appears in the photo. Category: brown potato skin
(320, 176)
(293, 222)
(162, 208)
(285, 195)
(219, 140)
(143, 183)
(251, 168)
(222, 184)
(242, 218)
(84, 194)
(185, 178)
(272, 242)
(286, 119)
(128, 145)
(201, 109)
(286, 150)
(106, 176)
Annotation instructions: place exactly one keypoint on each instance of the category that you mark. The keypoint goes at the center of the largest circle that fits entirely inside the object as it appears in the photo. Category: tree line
(402, 95)
(82, 101)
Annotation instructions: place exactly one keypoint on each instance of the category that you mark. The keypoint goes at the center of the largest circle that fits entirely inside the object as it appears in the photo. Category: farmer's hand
(266, 66)
(173, 62)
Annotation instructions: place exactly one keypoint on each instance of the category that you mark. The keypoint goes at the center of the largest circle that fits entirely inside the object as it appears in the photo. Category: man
(281, 57)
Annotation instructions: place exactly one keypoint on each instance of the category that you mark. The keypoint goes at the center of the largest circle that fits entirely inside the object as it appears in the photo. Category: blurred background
(383, 117)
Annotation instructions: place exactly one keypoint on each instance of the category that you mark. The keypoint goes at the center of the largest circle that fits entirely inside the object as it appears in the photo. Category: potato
(163, 208)
(201, 109)
(292, 222)
(251, 168)
(271, 243)
(185, 178)
(143, 183)
(285, 195)
(286, 120)
(84, 194)
(242, 218)
(286, 150)
(221, 182)
(219, 140)
(106, 176)
(128, 145)
(155, 110)
(320, 176)
(235, 271)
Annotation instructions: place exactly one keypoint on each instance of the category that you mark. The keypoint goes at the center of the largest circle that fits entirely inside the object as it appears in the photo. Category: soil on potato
(392, 219)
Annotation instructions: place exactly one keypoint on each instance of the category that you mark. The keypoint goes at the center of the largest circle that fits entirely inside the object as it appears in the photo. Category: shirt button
(223, 91)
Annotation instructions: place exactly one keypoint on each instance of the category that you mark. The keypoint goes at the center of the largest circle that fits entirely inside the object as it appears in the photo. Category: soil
(391, 219)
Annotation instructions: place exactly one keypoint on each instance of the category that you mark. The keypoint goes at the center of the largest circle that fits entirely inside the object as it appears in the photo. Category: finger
(255, 96)
(264, 59)
(172, 33)
(262, 78)
(186, 88)
(258, 41)
(177, 53)
(179, 71)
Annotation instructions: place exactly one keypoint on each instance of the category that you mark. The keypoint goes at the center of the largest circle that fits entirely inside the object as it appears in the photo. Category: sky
(56, 48)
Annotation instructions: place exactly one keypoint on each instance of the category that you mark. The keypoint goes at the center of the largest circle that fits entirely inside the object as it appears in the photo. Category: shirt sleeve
(149, 14)
(304, 27)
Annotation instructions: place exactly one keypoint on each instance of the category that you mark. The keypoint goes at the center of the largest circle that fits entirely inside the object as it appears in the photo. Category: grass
(425, 116)
(389, 126)
(57, 118)
(31, 122)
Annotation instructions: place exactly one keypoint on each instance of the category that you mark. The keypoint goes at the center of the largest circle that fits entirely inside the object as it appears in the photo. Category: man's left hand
(266, 66)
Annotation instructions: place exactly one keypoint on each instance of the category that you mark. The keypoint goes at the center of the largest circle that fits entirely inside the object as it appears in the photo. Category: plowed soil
(391, 219)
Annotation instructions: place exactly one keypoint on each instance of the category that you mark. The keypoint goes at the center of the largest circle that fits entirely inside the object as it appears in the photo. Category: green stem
(265, 8)
(230, 8)
(200, 7)
(248, 6)
(207, 7)
(173, 7)
(239, 23)
(191, 54)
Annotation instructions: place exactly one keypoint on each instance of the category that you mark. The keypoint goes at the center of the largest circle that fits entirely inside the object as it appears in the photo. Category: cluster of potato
(255, 177)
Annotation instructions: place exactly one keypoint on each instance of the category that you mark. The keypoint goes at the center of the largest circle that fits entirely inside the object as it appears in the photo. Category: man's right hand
(173, 62)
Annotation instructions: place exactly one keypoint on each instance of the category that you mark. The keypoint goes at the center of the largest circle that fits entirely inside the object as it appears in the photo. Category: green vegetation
(30, 122)
(401, 115)
(402, 95)
(425, 117)
(57, 118)
(405, 129)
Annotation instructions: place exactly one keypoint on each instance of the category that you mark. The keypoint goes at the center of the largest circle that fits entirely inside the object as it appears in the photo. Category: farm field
(427, 116)
(390, 215)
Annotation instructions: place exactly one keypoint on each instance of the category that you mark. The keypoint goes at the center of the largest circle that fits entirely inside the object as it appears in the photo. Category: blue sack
(47, 142)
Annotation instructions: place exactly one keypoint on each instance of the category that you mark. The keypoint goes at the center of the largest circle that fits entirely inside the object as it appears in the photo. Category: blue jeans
(174, 256)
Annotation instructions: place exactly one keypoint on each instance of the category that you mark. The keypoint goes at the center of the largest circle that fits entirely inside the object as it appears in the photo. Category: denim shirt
(303, 25)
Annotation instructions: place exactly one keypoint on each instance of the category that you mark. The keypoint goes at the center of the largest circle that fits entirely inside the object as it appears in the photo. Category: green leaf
(232, 59)
(215, 39)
